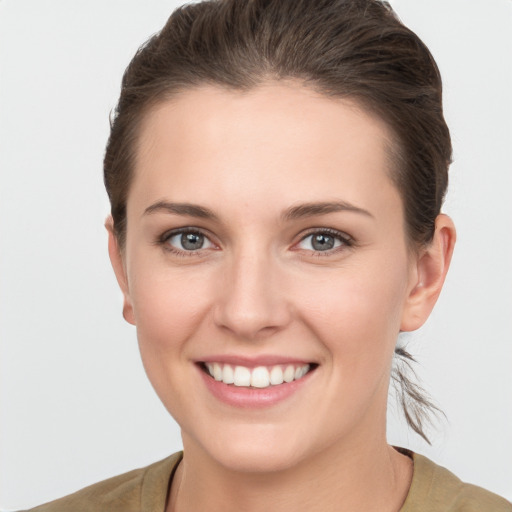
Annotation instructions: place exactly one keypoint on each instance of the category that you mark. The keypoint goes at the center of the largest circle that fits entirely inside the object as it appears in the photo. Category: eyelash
(163, 241)
(346, 241)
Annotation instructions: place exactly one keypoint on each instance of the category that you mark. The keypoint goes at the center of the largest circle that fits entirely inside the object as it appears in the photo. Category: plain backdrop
(75, 404)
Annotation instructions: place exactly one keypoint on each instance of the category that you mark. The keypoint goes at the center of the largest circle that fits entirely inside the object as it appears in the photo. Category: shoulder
(435, 489)
(140, 489)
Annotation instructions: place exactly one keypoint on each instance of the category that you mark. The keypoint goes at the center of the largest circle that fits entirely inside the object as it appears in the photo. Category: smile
(259, 377)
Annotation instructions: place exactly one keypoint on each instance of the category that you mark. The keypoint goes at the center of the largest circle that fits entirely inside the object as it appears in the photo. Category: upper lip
(252, 362)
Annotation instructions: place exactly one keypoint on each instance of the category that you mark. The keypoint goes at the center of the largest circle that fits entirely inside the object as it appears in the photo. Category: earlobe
(116, 259)
(430, 272)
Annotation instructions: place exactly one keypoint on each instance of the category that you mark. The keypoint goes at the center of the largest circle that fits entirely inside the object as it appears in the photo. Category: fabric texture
(139, 490)
(433, 489)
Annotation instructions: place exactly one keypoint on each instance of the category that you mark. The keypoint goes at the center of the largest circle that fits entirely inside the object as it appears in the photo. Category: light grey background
(75, 404)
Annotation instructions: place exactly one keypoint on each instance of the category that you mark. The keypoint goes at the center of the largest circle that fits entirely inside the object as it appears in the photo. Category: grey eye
(320, 242)
(189, 241)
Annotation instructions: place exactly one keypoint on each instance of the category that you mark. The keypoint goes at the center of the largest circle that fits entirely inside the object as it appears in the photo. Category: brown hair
(342, 48)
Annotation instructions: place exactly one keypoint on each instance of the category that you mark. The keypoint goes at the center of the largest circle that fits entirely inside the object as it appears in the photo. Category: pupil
(323, 242)
(192, 241)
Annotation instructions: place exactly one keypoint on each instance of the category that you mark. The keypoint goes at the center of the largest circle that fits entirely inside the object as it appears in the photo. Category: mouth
(258, 377)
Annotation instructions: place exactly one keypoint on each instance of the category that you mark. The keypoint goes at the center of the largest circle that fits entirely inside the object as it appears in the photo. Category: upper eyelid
(330, 231)
(188, 229)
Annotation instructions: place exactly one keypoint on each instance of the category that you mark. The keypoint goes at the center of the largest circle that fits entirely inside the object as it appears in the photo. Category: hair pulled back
(355, 49)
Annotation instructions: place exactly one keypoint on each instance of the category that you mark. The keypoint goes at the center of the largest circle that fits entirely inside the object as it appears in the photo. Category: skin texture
(257, 287)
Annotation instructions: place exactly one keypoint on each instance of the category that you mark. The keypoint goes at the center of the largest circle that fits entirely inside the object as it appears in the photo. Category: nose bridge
(251, 300)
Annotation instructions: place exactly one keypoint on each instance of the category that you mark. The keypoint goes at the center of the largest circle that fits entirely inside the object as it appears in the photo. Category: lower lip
(238, 396)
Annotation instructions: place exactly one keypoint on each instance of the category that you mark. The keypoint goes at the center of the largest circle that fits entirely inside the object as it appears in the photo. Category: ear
(428, 275)
(117, 261)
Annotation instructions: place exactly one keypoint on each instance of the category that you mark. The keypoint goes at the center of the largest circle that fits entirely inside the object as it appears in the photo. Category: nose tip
(251, 302)
(247, 325)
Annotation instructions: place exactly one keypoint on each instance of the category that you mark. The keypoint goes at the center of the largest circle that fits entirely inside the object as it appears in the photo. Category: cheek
(168, 308)
(356, 311)
(169, 305)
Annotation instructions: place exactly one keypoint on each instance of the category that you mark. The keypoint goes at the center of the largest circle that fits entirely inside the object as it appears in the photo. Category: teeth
(259, 377)
(289, 373)
(276, 376)
(242, 376)
(228, 376)
(217, 371)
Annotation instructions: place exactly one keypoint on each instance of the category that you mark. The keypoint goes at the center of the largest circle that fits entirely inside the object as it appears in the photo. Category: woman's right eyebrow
(188, 209)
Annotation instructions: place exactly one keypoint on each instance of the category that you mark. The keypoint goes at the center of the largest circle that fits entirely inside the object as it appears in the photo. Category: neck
(362, 477)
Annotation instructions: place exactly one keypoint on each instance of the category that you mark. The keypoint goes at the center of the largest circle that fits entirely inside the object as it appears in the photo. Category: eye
(187, 241)
(323, 241)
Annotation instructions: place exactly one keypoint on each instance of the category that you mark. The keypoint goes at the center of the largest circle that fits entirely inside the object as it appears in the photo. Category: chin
(261, 452)
(255, 459)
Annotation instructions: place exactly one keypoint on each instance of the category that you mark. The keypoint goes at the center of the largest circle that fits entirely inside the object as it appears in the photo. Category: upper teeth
(259, 377)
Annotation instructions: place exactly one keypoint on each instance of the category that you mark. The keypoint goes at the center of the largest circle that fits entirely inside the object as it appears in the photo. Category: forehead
(278, 139)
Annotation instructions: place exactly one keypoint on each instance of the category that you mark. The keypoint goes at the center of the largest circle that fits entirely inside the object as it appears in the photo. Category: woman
(276, 172)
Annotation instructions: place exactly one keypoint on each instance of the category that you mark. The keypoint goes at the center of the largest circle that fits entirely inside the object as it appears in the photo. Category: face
(267, 272)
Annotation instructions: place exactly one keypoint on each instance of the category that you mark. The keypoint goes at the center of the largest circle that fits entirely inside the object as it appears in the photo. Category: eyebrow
(191, 210)
(312, 209)
(295, 212)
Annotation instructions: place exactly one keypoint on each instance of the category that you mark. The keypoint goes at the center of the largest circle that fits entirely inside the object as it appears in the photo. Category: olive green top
(433, 489)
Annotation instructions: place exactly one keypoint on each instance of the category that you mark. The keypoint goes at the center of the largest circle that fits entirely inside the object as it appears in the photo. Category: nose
(251, 300)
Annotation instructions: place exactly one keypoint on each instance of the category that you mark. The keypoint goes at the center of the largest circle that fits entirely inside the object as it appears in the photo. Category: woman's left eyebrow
(188, 209)
(322, 208)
